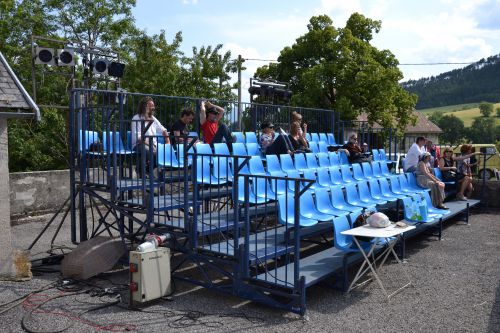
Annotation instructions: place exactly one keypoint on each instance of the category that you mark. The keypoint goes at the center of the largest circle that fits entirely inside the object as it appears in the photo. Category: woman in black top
(297, 139)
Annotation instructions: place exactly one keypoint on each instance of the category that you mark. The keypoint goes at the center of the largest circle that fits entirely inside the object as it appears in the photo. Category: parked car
(490, 154)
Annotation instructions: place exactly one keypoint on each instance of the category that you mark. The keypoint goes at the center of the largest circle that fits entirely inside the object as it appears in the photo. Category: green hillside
(466, 112)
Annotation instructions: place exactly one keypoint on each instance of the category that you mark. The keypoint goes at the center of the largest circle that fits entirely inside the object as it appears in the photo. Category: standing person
(271, 142)
(355, 153)
(297, 118)
(435, 153)
(450, 174)
(464, 167)
(297, 139)
(413, 155)
(179, 128)
(144, 120)
(426, 179)
(213, 132)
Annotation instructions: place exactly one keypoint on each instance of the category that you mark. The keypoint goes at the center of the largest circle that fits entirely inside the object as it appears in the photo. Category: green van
(490, 154)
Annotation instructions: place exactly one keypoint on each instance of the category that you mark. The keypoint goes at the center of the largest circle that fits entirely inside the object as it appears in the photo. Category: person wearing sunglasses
(355, 153)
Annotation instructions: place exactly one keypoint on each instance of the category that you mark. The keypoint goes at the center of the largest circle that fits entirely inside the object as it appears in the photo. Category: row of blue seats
(251, 137)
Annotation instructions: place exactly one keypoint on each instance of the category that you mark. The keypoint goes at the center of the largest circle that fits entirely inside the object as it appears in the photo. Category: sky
(416, 31)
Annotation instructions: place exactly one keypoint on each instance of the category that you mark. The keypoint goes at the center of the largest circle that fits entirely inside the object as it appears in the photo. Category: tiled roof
(422, 125)
(13, 96)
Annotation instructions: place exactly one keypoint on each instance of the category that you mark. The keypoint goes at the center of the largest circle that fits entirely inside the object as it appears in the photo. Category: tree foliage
(153, 65)
(486, 109)
(453, 129)
(338, 68)
(483, 130)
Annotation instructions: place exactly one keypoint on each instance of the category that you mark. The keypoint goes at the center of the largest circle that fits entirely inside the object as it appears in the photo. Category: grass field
(466, 112)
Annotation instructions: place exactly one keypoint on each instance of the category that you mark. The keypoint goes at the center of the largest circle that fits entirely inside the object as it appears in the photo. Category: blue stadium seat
(353, 198)
(287, 163)
(323, 147)
(323, 138)
(377, 194)
(300, 162)
(346, 174)
(253, 149)
(165, 156)
(251, 137)
(439, 175)
(343, 158)
(323, 160)
(367, 170)
(377, 171)
(387, 192)
(180, 155)
(412, 181)
(286, 212)
(256, 167)
(357, 172)
(375, 155)
(407, 187)
(338, 200)
(116, 145)
(366, 196)
(331, 140)
(342, 242)
(324, 203)
(308, 137)
(311, 174)
(334, 159)
(240, 137)
(336, 177)
(324, 179)
(385, 169)
(90, 137)
(395, 187)
(308, 208)
(314, 137)
(252, 198)
(240, 149)
(312, 162)
(222, 165)
(314, 147)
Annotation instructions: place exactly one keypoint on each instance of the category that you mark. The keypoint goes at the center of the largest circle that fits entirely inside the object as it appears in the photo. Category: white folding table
(382, 236)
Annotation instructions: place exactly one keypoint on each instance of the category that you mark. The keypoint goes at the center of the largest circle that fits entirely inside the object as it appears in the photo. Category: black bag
(96, 146)
(361, 221)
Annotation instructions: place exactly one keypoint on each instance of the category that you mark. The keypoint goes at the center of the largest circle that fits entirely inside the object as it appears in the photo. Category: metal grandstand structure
(234, 225)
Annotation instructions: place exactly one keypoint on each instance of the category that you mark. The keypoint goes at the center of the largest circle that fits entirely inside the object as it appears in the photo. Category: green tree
(453, 129)
(338, 68)
(486, 109)
(483, 130)
(498, 112)
(436, 116)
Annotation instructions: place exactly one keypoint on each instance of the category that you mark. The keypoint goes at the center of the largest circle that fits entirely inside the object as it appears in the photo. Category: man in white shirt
(413, 155)
(144, 120)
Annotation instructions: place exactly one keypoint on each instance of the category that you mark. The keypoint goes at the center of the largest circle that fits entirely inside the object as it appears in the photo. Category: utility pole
(240, 109)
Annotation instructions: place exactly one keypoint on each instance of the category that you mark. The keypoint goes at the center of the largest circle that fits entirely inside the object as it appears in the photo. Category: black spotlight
(116, 69)
(65, 57)
(100, 66)
(44, 56)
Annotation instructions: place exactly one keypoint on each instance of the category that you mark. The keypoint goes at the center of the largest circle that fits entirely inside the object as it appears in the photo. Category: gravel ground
(456, 289)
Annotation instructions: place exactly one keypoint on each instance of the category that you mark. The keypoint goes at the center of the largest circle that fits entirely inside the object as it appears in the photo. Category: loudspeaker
(100, 66)
(116, 69)
(65, 57)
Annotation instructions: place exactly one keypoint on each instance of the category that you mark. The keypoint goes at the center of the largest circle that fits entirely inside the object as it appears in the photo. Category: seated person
(450, 174)
(297, 118)
(272, 143)
(297, 139)
(213, 132)
(179, 128)
(426, 179)
(464, 169)
(354, 152)
(141, 120)
(413, 156)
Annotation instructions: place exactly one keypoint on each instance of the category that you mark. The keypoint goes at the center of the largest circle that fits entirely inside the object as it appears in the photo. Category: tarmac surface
(456, 289)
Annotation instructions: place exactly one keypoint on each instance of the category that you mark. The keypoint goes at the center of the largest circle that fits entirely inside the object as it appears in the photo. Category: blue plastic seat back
(180, 154)
(221, 149)
(323, 160)
(365, 195)
(165, 155)
(323, 147)
(323, 137)
(286, 207)
(346, 174)
(287, 163)
(291, 183)
(240, 138)
(340, 241)
(376, 155)
(385, 188)
(256, 167)
(323, 200)
(357, 172)
(308, 137)
(204, 148)
(403, 182)
(128, 143)
(314, 137)
(384, 168)
(377, 171)
(352, 194)
(314, 147)
(412, 180)
(90, 137)
(375, 188)
(334, 158)
(343, 158)
(115, 144)
(337, 196)
(312, 163)
(273, 164)
(336, 176)
(253, 149)
(367, 170)
(250, 137)
(311, 175)
(395, 186)
(300, 162)
(438, 174)
(331, 139)
(324, 177)
(239, 149)
(203, 174)
(383, 156)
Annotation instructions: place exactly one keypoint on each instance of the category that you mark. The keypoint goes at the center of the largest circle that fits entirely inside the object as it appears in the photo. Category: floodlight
(100, 66)
(65, 57)
(116, 69)
(44, 56)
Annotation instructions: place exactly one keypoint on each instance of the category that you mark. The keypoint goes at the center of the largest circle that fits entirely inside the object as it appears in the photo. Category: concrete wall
(37, 192)
(5, 234)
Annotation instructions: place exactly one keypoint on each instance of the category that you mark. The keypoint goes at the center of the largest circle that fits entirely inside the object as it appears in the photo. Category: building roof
(422, 125)
(14, 100)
